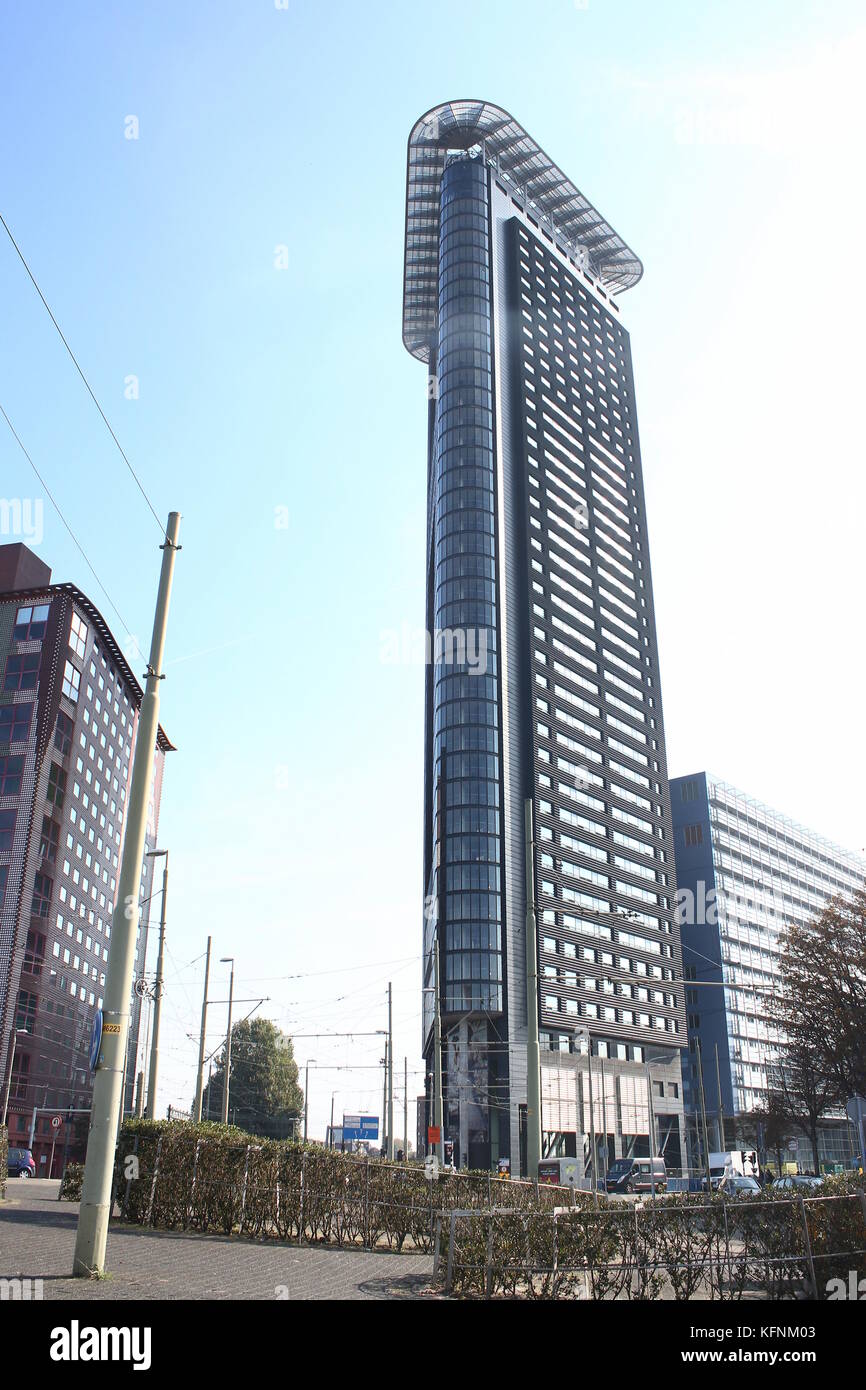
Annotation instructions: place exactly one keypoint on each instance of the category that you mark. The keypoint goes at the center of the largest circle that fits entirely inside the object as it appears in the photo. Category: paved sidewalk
(37, 1238)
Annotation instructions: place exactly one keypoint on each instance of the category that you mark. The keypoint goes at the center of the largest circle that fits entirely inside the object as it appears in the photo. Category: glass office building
(744, 871)
(543, 679)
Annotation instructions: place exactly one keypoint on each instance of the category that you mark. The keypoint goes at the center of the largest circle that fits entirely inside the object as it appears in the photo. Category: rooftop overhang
(106, 636)
(461, 125)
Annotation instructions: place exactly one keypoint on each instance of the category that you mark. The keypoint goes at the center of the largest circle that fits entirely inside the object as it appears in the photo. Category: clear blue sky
(720, 140)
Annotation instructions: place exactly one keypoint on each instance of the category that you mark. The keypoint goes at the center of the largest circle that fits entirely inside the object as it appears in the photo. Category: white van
(562, 1172)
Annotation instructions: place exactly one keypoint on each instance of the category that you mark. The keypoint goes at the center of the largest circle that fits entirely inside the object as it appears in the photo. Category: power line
(56, 507)
(81, 374)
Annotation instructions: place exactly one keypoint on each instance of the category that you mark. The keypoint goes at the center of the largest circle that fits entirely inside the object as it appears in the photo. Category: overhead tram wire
(90, 391)
(75, 539)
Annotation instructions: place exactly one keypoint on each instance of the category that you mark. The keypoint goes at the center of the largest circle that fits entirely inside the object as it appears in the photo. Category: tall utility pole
(533, 1053)
(385, 1101)
(653, 1140)
(200, 1073)
(437, 1053)
(224, 960)
(108, 1079)
(390, 1080)
(704, 1115)
(405, 1109)
(582, 1033)
(721, 1115)
(307, 1095)
(150, 1112)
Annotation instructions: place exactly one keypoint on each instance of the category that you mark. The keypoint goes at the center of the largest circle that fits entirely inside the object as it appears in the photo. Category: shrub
(681, 1246)
(212, 1177)
(70, 1187)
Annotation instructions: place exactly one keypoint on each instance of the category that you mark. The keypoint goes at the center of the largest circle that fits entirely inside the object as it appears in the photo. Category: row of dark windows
(461, 686)
(465, 565)
(465, 543)
(472, 936)
(466, 711)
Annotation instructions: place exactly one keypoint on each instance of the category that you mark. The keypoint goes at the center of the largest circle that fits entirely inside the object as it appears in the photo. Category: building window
(30, 623)
(34, 955)
(4, 876)
(56, 785)
(71, 681)
(43, 887)
(48, 840)
(63, 733)
(15, 722)
(10, 775)
(7, 829)
(694, 835)
(25, 1015)
(22, 671)
(78, 636)
(689, 791)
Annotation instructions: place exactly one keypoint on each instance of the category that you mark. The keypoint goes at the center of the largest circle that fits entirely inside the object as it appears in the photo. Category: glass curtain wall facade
(543, 681)
(744, 871)
(465, 700)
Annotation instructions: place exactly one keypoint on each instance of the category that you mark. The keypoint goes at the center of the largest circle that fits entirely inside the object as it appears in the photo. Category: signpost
(365, 1127)
(56, 1122)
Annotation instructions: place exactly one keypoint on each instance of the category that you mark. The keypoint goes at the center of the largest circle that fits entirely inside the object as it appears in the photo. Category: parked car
(636, 1175)
(734, 1185)
(20, 1164)
(797, 1182)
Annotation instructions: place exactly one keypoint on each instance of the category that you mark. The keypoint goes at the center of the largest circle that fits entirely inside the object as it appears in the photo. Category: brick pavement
(37, 1238)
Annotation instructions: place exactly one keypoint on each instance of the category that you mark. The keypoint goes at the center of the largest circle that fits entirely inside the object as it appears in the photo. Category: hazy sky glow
(723, 144)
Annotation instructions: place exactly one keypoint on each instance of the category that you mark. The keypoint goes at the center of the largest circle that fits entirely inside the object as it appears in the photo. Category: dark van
(636, 1175)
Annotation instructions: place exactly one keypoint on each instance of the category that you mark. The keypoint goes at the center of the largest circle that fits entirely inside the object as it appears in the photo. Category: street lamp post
(200, 1072)
(583, 1034)
(226, 960)
(14, 1041)
(150, 1110)
(307, 1094)
(437, 1051)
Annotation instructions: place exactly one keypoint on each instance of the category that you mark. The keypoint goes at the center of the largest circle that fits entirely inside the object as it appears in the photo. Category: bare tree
(823, 1000)
(802, 1092)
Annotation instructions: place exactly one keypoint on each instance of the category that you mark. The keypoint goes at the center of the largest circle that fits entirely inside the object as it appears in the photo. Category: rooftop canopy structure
(520, 162)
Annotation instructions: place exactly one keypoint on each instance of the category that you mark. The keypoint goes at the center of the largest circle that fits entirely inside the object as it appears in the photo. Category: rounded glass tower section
(466, 754)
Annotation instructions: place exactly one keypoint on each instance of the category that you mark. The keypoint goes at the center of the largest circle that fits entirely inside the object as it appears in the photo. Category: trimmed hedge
(681, 1247)
(210, 1177)
(70, 1187)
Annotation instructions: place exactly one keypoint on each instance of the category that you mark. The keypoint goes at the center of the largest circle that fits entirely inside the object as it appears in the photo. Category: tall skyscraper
(543, 681)
(744, 872)
(68, 716)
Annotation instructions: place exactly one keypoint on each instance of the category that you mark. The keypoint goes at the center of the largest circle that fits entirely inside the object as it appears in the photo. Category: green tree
(264, 1095)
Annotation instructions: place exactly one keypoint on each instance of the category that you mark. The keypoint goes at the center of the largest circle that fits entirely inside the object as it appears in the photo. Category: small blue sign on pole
(95, 1039)
(361, 1127)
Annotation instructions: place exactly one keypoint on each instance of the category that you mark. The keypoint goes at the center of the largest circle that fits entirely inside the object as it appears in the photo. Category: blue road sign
(361, 1127)
(95, 1039)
